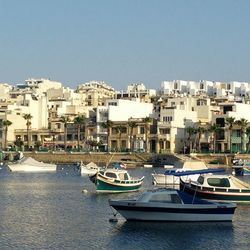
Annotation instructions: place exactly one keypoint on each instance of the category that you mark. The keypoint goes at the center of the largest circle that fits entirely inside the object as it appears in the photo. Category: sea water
(51, 211)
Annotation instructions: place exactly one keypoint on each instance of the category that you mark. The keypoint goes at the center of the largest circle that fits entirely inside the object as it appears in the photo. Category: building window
(164, 131)
(142, 130)
(167, 118)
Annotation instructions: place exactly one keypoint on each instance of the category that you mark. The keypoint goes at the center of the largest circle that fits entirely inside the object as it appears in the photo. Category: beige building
(95, 93)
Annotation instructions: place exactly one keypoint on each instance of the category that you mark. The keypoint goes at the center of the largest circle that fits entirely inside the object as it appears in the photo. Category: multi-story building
(95, 93)
(137, 90)
(237, 111)
(120, 111)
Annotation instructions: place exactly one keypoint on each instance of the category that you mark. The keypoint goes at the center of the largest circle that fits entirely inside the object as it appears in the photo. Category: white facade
(27, 104)
(139, 89)
(122, 110)
(174, 87)
(4, 91)
(41, 85)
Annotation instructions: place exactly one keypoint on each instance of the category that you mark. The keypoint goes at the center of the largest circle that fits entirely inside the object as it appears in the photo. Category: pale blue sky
(124, 41)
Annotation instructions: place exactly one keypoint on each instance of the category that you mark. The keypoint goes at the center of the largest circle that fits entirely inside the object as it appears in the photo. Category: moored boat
(169, 178)
(218, 187)
(172, 205)
(28, 164)
(113, 180)
(89, 169)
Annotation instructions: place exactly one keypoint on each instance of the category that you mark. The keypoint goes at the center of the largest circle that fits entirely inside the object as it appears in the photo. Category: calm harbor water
(50, 211)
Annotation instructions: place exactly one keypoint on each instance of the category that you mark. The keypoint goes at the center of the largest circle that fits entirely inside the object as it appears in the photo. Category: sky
(124, 41)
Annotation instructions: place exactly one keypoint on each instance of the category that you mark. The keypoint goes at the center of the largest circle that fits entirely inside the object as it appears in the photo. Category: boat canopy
(201, 171)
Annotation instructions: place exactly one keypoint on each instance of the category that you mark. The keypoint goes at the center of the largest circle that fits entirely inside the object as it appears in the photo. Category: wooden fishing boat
(113, 180)
(217, 187)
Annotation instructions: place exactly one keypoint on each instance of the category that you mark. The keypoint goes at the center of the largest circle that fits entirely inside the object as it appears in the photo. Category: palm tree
(65, 120)
(147, 121)
(28, 118)
(191, 131)
(242, 123)
(200, 130)
(214, 129)
(120, 129)
(248, 136)
(6, 124)
(132, 125)
(79, 121)
(230, 121)
(107, 125)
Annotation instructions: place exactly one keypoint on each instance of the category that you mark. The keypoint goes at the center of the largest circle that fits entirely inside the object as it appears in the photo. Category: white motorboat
(172, 205)
(169, 178)
(28, 164)
(89, 169)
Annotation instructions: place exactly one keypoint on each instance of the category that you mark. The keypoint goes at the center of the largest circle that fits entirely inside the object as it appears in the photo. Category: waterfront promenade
(130, 159)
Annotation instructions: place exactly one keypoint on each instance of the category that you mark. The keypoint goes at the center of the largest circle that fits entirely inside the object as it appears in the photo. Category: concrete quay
(130, 159)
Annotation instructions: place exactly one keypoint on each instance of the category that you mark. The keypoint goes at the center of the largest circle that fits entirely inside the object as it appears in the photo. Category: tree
(28, 118)
(230, 121)
(79, 121)
(65, 120)
(199, 131)
(6, 125)
(107, 125)
(132, 125)
(214, 129)
(147, 121)
(120, 129)
(242, 123)
(191, 131)
(248, 135)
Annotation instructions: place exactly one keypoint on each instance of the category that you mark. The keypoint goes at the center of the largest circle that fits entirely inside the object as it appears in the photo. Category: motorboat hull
(162, 179)
(132, 210)
(29, 168)
(86, 171)
(31, 165)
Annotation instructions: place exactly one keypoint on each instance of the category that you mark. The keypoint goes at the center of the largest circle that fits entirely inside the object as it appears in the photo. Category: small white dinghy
(89, 169)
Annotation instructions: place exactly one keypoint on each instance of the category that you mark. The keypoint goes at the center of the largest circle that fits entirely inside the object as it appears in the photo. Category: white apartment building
(119, 110)
(5, 88)
(174, 87)
(40, 86)
(137, 90)
(171, 127)
(200, 88)
(26, 104)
